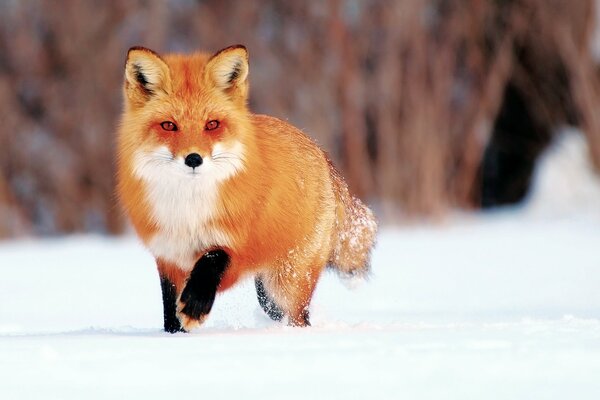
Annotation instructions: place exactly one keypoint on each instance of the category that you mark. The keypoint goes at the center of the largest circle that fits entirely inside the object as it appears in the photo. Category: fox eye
(210, 125)
(168, 126)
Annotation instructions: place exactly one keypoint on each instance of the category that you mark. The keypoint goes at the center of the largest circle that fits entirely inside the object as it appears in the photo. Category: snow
(564, 180)
(483, 306)
(499, 306)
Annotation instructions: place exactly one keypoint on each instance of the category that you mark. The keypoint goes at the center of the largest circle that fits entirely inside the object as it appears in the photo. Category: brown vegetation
(405, 95)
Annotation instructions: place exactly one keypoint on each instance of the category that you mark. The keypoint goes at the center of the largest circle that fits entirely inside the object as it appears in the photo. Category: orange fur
(283, 212)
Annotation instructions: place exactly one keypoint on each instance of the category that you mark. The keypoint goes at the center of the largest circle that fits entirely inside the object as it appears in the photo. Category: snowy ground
(497, 306)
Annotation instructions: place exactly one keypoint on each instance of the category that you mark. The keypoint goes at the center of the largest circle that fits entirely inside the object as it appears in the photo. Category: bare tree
(405, 95)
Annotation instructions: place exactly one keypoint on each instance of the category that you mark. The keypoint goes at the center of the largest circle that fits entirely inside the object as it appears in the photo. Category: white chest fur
(183, 201)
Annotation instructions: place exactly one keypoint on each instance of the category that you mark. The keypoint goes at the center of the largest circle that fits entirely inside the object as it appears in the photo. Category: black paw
(201, 288)
(266, 302)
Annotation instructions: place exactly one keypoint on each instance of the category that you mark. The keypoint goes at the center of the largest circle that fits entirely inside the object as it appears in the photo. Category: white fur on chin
(183, 200)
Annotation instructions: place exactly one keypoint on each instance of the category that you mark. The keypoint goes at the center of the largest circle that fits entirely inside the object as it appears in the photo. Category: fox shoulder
(274, 132)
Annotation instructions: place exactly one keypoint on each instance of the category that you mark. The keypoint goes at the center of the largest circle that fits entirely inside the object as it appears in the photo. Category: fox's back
(285, 192)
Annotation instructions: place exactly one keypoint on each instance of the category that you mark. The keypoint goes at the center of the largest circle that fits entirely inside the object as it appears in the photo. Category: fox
(217, 193)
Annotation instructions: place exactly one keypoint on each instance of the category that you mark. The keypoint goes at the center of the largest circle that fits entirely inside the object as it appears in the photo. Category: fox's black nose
(193, 160)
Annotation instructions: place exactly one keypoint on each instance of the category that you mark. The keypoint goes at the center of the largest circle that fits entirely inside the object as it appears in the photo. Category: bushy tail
(354, 233)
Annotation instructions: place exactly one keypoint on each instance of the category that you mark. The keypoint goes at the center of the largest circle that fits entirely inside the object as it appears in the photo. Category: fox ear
(146, 75)
(228, 70)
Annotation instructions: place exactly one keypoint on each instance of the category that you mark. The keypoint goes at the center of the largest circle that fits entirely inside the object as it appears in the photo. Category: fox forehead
(187, 73)
(191, 97)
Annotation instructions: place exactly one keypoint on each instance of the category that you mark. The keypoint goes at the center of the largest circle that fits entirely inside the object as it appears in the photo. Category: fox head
(185, 115)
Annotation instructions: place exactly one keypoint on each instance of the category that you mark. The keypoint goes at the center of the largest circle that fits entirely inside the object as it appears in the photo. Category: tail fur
(354, 233)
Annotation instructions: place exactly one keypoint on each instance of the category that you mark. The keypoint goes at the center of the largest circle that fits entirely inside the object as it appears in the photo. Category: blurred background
(427, 106)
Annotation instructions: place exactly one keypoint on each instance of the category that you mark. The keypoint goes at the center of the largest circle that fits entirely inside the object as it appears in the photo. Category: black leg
(201, 288)
(266, 302)
(169, 295)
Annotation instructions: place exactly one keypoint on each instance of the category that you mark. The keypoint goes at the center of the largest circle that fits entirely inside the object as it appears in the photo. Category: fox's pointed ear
(228, 70)
(146, 75)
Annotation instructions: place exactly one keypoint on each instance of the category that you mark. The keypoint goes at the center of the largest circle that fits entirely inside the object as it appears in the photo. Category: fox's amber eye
(168, 126)
(210, 125)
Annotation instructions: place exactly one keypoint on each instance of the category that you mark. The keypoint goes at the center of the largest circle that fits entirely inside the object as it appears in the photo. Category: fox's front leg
(200, 289)
(172, 281)
(189, 297)
(169, 295)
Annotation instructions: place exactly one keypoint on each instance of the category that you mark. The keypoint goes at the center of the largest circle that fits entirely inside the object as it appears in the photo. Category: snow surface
(495, 306)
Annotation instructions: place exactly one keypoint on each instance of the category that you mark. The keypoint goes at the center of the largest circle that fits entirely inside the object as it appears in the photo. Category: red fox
(217, 193)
